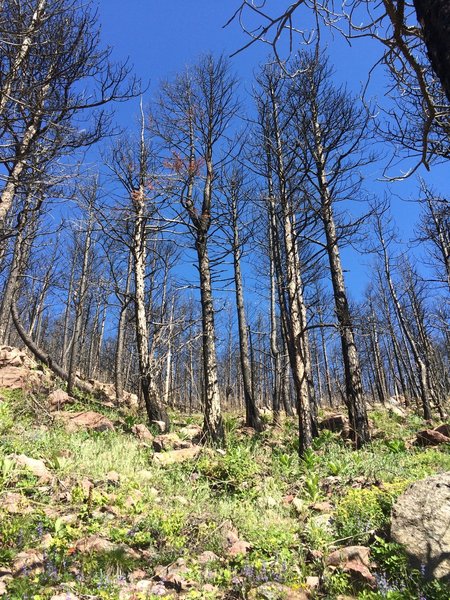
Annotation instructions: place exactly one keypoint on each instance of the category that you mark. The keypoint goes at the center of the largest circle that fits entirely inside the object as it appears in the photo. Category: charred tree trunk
(434, 18)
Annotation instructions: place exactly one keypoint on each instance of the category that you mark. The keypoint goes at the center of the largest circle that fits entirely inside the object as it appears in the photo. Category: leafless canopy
(418, 117)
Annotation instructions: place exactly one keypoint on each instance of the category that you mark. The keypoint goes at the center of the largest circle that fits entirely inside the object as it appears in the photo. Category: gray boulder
(421, 523)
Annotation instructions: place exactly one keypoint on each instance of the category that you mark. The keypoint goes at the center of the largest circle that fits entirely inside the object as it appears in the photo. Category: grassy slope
(257, 489)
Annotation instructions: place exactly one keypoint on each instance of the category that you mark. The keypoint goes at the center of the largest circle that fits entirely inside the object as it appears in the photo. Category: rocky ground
(96, 505)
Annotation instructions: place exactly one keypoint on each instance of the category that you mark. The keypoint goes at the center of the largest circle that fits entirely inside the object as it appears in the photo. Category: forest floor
(102, 518)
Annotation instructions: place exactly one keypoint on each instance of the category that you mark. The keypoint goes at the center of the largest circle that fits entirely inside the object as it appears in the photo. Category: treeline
(135, 269)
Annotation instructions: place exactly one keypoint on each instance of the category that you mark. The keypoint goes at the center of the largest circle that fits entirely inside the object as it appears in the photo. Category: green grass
(258, 489)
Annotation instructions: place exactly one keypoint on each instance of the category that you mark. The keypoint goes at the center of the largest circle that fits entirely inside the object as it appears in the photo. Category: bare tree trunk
(353, 385)
(118, 359)
(434, 17)
(80, 302)
(325, 359)
(293, 313)
(155, 411)
(275, 351)
(11, 287)
(252, 418)
(213, 424)
(421, 368)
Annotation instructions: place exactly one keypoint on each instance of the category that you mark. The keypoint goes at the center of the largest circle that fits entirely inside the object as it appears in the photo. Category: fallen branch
(43, 357)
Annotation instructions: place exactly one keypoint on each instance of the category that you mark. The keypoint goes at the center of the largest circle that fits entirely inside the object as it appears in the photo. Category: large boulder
(107, 393)
(421, 523)
(73, 421)
(176, 456)
(19, 371)
(337, 423)
(433, 437)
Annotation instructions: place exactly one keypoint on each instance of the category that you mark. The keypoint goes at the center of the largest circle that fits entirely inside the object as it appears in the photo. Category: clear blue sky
(162, 36)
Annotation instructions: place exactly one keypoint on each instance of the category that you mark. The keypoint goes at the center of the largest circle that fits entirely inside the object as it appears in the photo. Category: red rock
(93, 421)
(431, 437)
(142, 433)
(59, 398)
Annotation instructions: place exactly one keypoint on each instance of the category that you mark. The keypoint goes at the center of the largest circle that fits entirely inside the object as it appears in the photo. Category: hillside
(90, 510)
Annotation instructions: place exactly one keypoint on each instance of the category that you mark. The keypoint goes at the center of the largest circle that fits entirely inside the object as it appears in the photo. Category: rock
(59, 398)
(36, 466)
(28, 562)
(176, 456)
(338, 424)
(169, 441)
(313, 582)
(87, 486)
(444, 429)
(93, 421)
(206, 557)
(238, 548)
(191, 432)
(160, 425)
(113, 478)
(394, 406)
(19, 371)
(142, 433)
(338, 558)
(421, 523)
(46, 541)
(94, 543)
(14, 357)
(65, 596)
(431, 437)
(354, 560)
(137, 575)
(324, 507)
(15, 504)
(106, 392)
(173, 576)
(276, 591)
(2, 588)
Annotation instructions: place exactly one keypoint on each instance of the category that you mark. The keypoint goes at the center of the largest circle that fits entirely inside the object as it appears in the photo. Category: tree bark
(434, 18)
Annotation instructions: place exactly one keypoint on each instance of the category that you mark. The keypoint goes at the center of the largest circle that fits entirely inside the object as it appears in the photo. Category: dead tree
(194, 112)
(235, 194)
(331, 130)
(50, 54)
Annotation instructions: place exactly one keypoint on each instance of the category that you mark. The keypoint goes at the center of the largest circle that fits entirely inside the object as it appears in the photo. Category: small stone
(137, 575)
(29, 561)
(238, 548)
(142, 433)
(207, 557)
(94, 543)
(324, 507)
(313, 582)
(86, 485)
(36, 466)
(176, 456)
(161, 425)
(59, 398)
(46, 542)
(15, 504)
(113, 477)
(339, 557)
(169, 441)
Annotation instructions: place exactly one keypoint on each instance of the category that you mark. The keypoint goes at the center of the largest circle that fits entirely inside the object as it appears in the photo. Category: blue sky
(161, 37)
